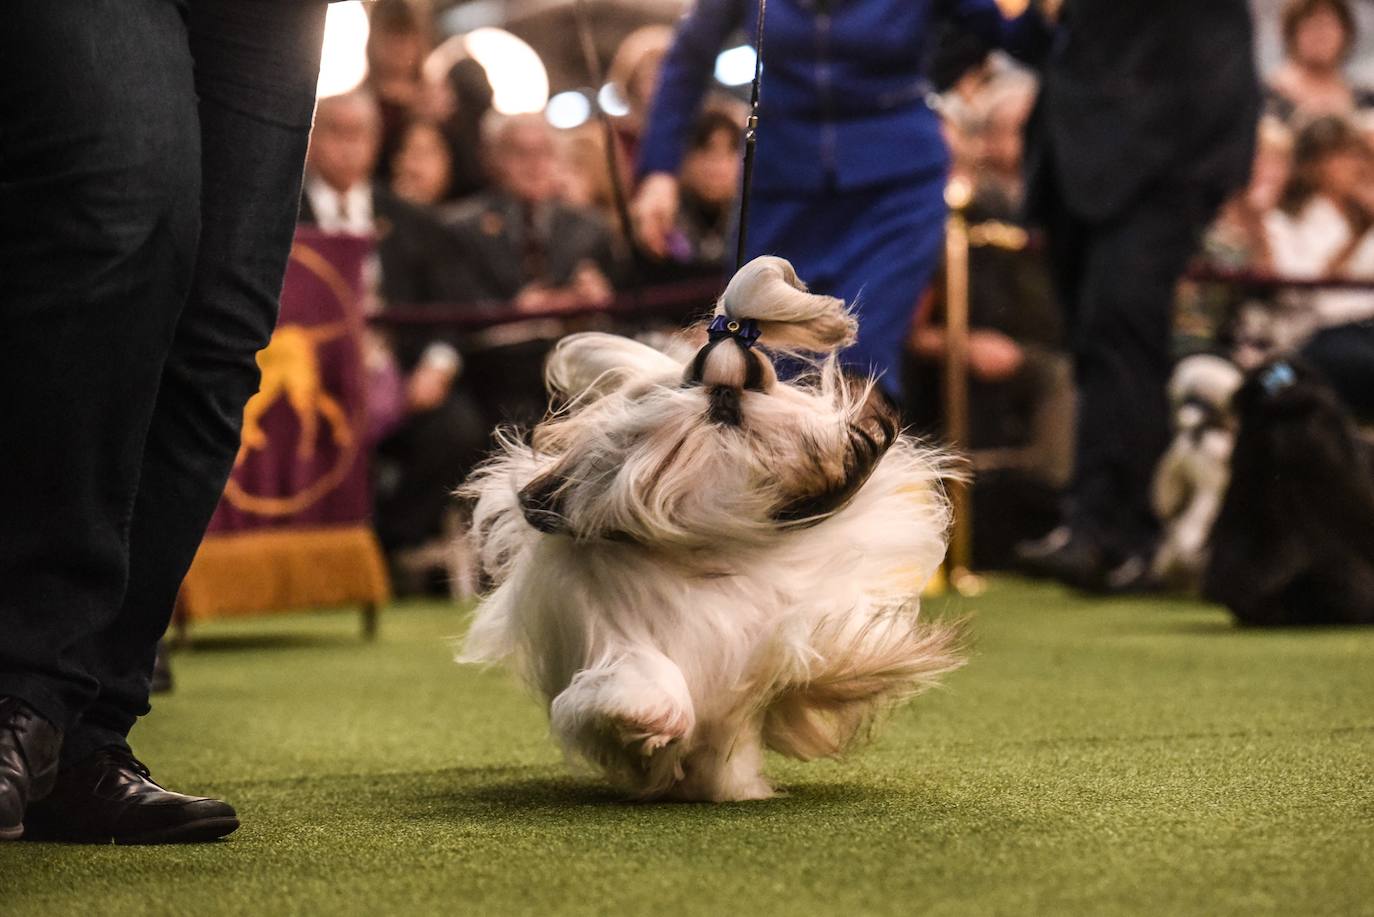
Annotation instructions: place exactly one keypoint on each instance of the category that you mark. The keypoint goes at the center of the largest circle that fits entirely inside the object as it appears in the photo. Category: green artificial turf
(1126, 757)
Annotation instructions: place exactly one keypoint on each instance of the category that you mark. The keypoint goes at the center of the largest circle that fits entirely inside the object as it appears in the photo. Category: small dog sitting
(1294, 542)
(1192, 475)
(695, 562)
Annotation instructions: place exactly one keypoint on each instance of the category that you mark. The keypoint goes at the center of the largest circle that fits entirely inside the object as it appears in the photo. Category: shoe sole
(193, 832)
(12, 834)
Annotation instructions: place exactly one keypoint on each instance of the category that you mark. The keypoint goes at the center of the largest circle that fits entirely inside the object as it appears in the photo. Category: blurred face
(1320, 39)
(1272, 167)
(344, 141)
(1341, 172)
(712, 172)
(1003, 142)
(395, 55)
(421, 169)
(644, 81)
(524, 162)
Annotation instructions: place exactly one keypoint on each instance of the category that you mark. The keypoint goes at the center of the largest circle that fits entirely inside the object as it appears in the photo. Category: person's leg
(1121, 339)
(433, 453)
(99, 216)
(256, 63)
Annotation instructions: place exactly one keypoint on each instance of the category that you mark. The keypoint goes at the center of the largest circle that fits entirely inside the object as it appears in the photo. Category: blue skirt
(876, 248)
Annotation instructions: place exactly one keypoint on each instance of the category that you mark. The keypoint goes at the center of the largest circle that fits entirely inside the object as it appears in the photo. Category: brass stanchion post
(958, 193)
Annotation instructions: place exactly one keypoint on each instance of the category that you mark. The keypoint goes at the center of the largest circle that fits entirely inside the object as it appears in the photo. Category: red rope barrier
(697, 297)
(1259, 280)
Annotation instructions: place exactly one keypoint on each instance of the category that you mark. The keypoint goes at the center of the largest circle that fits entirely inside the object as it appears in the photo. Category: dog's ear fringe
(768, 291)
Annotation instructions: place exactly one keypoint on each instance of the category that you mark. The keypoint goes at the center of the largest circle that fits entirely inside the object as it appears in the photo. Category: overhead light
(609, 100)
(735, 66)
(568, 110)
(519, 82)
(343, 59)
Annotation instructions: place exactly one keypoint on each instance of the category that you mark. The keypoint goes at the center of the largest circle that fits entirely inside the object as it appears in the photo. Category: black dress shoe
(110, 797)
(1066, 556)
(1133, 576)
(29, 747)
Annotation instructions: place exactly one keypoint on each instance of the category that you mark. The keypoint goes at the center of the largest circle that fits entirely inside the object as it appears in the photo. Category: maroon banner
(302, 462)
(291, 530)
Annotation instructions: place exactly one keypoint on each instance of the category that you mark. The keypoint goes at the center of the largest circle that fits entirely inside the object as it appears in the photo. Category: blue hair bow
(745, 330)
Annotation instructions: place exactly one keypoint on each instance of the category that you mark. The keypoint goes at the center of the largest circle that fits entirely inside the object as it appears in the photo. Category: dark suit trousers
(150, 162)
(1116, 279)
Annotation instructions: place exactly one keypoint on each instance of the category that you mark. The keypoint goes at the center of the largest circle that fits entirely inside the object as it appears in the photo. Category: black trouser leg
(1121, 329)
(99, 214)
(256, 64)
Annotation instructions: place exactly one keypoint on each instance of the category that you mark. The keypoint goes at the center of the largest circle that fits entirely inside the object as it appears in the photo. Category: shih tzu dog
(695, 560)
(1191, 478)
(1294, 541)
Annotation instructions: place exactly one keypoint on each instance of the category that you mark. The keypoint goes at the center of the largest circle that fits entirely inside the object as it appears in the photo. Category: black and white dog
(1294, 541)
(1191, 479)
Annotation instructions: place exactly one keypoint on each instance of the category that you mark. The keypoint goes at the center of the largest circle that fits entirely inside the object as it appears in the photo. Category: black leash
(751, 130)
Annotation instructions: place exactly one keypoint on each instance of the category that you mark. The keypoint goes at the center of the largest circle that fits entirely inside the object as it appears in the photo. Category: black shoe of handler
(1079, 562)
(29, 748)
(110, 797)
(1063, 555)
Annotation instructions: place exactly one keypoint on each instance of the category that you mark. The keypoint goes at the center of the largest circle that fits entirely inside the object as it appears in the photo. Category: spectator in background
(1325, 228)
(524, 247)
(415, 254)
(1318, 36)
(584, 175)
(634, 75)
(1207, 313)
(422, 168)
(426, 455)
(457, 96)
(397, 43)
(708, 191)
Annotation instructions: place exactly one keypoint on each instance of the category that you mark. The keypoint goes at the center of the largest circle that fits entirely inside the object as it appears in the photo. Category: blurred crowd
(472, 208)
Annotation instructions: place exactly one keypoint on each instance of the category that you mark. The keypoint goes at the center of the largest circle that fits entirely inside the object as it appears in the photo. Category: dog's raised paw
(649, 734)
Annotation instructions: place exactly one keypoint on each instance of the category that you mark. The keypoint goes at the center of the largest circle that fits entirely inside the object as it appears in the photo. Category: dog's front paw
(648, 733)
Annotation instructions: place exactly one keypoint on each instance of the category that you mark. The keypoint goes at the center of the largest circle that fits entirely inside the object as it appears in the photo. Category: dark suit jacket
(488, 229)
(418, 255)
(1140, 91)
(420, 264)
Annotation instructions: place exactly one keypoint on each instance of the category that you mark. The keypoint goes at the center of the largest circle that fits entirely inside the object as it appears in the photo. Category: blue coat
(844, 99)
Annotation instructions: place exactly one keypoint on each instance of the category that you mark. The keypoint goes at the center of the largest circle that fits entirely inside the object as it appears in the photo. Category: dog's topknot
(768, 292)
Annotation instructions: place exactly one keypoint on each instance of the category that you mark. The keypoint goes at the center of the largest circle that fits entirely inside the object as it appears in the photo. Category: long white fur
(679, 629)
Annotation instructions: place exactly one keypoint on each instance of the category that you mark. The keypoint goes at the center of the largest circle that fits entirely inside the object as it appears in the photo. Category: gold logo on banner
(291, 374)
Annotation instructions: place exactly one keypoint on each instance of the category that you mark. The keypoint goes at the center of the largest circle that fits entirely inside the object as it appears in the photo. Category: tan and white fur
(697, 562)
